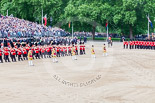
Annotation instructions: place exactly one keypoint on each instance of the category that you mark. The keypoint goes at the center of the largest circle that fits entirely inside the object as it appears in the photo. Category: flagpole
(72, 30)
(107, 31)
(42, 17)
(148, 27)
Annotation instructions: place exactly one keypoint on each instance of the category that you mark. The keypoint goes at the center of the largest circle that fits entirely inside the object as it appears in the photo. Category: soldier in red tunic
(48, 50)
(124, 43)
(13, 54)
(19, 52)
(58, 52)
(69, 51)
(136, 43)
(27, 48)
(62, 51)
(25, 54)
(83, 48)
(76, 50)
(36, 49)
(154, 45)
(65, 48)
(1, 55)
(43, 52)
(6, 54)
(130, 44)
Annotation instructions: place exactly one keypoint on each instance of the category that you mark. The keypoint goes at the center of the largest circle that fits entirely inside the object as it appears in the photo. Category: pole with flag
(148, 27)
(107, 28)
(69, 24)
(45, 19)
(42, 17)
(149, 24)
(72, 29)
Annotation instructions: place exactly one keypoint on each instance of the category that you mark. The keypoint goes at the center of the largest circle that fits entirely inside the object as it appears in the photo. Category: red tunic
(0, 52)
(36, 50)
(6, 53)
(62, 49)
(58, 50)
(48, 49)
(24, 51)
(80, 47)
(13, 52)
(84, 47)
(42, 50)
(19, 52)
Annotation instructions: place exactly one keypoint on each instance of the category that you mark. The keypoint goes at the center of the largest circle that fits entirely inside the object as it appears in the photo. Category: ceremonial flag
(69, 24)
(45, 19)
(150, 22)
(106, 25)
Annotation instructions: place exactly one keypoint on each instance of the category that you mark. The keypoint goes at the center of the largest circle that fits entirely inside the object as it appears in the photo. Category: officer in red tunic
(43, 52)
(1, 55)
(25, 54)
(27, 48)
(33, 52)
(136, 43)
(13, 54)
(6, 54)
(76, 50)
(48, 50)
(130, 44)
(148, 44)
(37, 53)
(19, 52)
(58, 52)
(65, 51)
(133, 43)
(124, 43)
(142, 44)
(69, 51)
(154, 45)
(81, 49)
(62, 51)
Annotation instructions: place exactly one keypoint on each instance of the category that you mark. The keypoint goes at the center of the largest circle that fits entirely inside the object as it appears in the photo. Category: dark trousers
(37, 56)
(130, 46)
(13, 58)
(126, 46)
(25, 57)
(62, 53)
(84, 52)
(81, 52)
(76, 52)
(58, 54)
(6, 58)
(135, 46)
(20, 58)
(43, 55)
(1, 59)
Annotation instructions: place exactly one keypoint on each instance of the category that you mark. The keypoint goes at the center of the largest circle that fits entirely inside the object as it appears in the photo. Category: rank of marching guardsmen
(139, 45)
(21, 51)
(16, 51)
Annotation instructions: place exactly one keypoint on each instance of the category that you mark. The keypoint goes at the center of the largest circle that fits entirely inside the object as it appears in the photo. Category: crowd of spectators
(15, 27)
